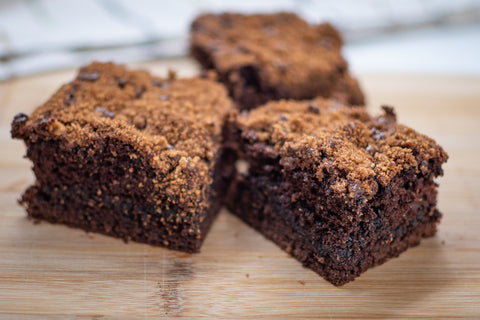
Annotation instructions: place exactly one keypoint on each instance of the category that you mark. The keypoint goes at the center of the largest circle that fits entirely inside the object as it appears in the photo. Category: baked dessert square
(263, 57)
(339, 190)
(129, 155)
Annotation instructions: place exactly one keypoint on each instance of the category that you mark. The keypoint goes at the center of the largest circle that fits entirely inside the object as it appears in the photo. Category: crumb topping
(324, 137)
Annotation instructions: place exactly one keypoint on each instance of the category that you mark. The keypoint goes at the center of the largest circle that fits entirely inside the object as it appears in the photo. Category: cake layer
(335, 255)
(120, 217)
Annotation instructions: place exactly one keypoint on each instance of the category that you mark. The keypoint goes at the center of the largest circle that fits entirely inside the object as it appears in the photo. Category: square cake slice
(265, 57)
(339, 190)
(129, 155)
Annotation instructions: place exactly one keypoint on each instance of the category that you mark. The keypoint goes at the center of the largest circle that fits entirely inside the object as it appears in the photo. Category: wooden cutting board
(54, 272)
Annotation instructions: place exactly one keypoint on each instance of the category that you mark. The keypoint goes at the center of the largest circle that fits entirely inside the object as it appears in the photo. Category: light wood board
(54, 272)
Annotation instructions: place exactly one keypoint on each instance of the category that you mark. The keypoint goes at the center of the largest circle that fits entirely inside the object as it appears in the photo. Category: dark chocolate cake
(265, 57)
(339, 190)
(129, 155)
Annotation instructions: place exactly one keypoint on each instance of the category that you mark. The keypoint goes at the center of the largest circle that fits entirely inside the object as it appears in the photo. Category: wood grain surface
(54, 272)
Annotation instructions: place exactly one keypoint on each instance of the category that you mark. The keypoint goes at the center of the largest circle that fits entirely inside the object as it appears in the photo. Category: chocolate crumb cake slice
(129, 155)
(339, 190)
(263, 57)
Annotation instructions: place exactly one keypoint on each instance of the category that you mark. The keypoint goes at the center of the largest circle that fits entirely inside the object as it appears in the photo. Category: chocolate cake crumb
(313, 109)
(88, 76)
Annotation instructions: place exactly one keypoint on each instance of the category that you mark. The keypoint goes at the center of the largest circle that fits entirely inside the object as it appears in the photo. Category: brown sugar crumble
(129, 155)
(339, 190)
(263, 57)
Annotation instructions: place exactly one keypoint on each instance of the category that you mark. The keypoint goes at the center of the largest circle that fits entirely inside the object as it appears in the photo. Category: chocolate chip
(139, 92)
(70, 94)
(370, 150)
(164, 98)
(314, 109)
(389, 113)
(159, 83)
(105, 112)
(20, 117)
(44, 121)
(242, 49)
(250, 75)
(283, 118)
(70, 99)
(268, 168)
(377, 134)
(122, 82)
(88, 76)
(197, 26)
(357, 190)
(250, 136)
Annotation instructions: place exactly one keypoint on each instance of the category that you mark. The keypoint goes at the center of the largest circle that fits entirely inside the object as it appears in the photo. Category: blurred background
(382, 36)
